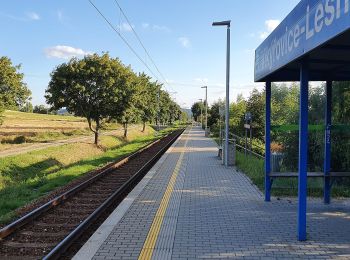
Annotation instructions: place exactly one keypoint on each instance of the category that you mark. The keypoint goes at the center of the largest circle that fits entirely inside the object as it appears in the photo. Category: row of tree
(285, 112)
(98, 87)
(102, 89)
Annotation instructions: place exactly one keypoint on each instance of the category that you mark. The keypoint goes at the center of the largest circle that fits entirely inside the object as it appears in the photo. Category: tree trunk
(144, 127)
(96, 137)
(94, 131)
(97, 131)
(125, 130)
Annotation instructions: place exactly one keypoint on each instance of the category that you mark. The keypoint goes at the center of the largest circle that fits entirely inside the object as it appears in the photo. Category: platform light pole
(227, 112)
(206, 107)
(201, 100)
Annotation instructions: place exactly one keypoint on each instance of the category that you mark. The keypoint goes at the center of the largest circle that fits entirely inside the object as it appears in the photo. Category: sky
(178, 36)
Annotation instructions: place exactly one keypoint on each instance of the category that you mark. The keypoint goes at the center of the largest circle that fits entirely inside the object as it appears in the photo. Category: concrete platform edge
(96, 240)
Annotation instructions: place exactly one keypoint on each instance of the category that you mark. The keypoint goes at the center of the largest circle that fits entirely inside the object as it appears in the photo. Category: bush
(19, 139)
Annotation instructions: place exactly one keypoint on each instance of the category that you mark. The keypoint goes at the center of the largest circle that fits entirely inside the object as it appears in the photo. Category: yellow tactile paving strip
(151, 240)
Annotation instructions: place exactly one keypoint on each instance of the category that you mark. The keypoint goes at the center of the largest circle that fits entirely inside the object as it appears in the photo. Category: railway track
(50, 231)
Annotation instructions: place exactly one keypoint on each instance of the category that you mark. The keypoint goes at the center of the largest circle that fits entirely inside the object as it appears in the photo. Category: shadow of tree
(14, 174)
(24, 184)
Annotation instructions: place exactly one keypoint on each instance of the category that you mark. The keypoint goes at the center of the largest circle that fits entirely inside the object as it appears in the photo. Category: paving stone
(216, 213)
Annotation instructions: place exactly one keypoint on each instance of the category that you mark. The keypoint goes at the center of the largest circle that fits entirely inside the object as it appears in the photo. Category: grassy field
(21, 129)
(23, 178)
(254, 169)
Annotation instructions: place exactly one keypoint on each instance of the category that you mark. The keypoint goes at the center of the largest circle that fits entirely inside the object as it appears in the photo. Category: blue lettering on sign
(310, 24)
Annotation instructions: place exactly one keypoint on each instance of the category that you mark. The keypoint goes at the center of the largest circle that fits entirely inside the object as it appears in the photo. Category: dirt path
(39, 146)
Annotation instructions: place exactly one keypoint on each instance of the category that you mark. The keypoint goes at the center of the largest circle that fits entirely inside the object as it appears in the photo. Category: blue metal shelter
(311, 44)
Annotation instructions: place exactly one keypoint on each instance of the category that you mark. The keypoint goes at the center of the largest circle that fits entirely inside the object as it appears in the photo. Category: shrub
(19, 139)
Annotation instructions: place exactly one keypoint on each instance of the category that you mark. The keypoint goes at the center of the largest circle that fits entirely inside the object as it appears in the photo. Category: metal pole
(327, 143)
(268, 142)
(201, 113)
(201, 116)
(227, 114)
(206, 108)
(220, 131)
(303, 149)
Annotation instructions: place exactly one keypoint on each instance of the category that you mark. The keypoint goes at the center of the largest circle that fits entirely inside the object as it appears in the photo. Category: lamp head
(223, 23)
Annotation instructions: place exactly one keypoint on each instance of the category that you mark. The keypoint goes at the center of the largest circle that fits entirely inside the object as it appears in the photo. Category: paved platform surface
(189, 206)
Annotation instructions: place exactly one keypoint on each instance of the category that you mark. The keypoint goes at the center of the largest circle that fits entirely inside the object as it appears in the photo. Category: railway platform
(189, 206)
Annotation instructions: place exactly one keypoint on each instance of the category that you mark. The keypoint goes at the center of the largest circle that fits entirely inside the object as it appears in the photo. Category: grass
(20, 128)
(254, 169)
(16, 115)
(24, 178)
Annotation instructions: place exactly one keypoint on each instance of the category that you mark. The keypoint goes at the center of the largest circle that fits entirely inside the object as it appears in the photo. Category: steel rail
(57, 251)
(14, 226)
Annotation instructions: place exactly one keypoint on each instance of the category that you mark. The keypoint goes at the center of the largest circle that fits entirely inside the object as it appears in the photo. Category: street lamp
(227, 113)
(201, 100)
(206, 108)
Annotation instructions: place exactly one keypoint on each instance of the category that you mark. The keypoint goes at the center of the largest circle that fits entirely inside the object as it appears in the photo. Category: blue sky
(189, 52)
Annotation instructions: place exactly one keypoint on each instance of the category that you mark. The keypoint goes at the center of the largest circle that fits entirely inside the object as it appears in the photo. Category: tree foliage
(14, 93)
(95, 87)
(147, 99)
(101, 88)
(285, 112)
(196, 110)
(40, 109)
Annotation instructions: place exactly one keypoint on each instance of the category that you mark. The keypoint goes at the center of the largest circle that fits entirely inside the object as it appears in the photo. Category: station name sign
(309, 25)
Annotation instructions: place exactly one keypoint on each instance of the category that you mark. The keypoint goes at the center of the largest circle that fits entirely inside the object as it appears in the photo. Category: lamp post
(227, 113)
(201, 100)
(206, 107)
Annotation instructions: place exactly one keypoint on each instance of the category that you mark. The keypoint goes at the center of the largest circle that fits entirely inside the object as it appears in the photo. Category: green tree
(184, 117)
(214, 114)
(95, 87)
(132, 98)
(164, 107)
(27, 107)
(196, 110)
(147, 103)
(1, 112)
(14, 93)
(256, 106)
(237, 111)
(41, 109)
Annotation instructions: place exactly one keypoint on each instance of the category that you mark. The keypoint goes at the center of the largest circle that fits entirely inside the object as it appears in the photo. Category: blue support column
(268, 142)
(327, 143)
(303, 150)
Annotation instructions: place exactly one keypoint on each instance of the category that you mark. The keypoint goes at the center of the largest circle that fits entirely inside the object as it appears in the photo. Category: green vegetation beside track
(24, 178)
(254, 169)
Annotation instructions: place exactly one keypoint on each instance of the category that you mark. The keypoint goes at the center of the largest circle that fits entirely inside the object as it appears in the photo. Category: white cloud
(155, 27)
(33, 16)
(64, 52)
(125, 27)
(27, 17)
(252, 35)
(170, 81)
(60, 15)
(270, 25)
(249, 51)
(163, 28)
(201, 80)
(145, 25)
(185, 42)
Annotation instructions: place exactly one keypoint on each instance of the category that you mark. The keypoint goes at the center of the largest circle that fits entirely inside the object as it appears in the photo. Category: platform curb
(90, 248)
